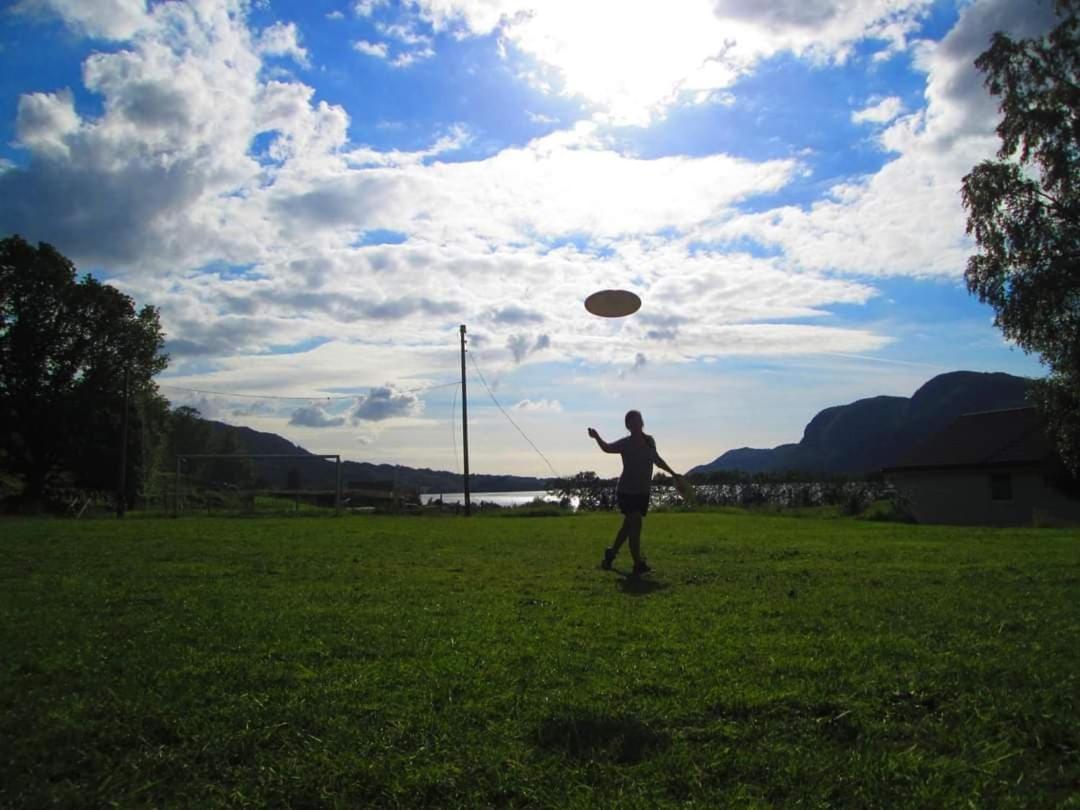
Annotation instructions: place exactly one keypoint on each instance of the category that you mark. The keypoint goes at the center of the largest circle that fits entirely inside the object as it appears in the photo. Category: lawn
(404, 661)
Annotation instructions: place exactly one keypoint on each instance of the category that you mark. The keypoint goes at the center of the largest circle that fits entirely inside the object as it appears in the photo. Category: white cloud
(538, 406)
(105, 19)
(165, 179)
(523, 345)
(907, 218)
(365, 8)
(331, 369)
(453, 139)
(377, 49)
(165, 182)
(637, 364)
(879, 112)
(46, 121)
(409, 58)
(417, 46)
(540, 118)
(386, 403)
(166, 164)
(315, 416)
(514, 314)
(554, 186)
(335, 15)
(636, 59)
(283, 39)
(254, 256)
(402, 32)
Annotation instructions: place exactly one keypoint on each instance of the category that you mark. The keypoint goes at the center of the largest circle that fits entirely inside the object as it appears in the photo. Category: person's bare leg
(633, 521)
(621, 537)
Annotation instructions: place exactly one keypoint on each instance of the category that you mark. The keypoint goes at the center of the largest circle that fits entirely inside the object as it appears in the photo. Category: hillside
(868, 434)
(321, 473)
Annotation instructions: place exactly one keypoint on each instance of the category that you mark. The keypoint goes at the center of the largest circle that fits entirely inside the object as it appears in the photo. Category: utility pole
(465, 424)
(121, 487)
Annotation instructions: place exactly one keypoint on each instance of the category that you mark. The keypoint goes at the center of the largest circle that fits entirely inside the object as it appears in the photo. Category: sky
(316, 194)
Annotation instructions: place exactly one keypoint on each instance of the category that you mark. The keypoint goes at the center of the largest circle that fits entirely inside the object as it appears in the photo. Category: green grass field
(768, 661)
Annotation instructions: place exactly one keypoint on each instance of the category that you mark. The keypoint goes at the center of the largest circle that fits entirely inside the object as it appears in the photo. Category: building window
(1001, 487)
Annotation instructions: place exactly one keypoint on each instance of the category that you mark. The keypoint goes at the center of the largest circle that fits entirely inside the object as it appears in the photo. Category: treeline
(781, 490)
(81, 412)
(780, 477)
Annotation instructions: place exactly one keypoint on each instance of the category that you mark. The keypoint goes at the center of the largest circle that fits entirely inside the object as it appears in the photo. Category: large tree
(64, 345)
(1024, 212)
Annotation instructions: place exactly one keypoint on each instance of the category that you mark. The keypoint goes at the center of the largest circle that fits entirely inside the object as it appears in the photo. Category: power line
(238, 395)
(322, 397)
(511, 421)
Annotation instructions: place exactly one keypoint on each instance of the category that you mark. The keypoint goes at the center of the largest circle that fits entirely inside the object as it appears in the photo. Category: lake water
(500, 498)
(730, 494)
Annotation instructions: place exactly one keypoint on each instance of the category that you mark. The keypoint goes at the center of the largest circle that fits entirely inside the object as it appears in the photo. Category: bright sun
(630, 58)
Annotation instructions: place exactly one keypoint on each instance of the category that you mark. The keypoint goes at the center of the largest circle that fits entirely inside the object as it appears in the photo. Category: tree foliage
(64, 345)
(1024, 213)
(188, 433)
(231, 471)
(590, 491)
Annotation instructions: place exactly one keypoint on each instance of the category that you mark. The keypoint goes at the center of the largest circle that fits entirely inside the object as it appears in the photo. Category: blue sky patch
(381, 236)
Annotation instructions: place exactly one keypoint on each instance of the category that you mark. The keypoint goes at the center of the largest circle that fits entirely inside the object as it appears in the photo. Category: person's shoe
(641, 567)
(609, 558)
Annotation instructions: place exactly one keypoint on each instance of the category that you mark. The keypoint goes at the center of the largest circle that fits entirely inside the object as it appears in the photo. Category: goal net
(252, 484)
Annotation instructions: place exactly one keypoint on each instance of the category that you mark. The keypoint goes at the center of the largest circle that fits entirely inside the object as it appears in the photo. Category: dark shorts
(633, 502)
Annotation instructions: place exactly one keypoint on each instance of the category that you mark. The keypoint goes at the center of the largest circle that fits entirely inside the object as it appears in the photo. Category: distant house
(994, 468)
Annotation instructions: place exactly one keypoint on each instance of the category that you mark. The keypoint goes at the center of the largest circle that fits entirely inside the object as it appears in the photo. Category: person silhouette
(638, 451)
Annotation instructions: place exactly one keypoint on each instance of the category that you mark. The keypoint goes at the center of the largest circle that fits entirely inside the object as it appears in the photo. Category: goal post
(181, 458)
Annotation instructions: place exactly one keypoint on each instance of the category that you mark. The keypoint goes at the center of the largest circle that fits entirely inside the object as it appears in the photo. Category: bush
(855, 501)
(534, 508)
(896, 508)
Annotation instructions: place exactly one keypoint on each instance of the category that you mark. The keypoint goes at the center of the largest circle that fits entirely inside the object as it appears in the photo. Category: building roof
(1016, 436)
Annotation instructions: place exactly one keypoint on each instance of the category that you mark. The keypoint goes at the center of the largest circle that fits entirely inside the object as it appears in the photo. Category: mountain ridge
(361, 473)
(854, 439)
(868, 434)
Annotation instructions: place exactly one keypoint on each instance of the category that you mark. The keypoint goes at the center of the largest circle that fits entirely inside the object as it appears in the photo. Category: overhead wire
(323, 397)
(508, 418)
(340, 397)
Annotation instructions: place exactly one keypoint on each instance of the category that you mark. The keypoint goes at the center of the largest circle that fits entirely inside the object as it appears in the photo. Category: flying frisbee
(613, 303)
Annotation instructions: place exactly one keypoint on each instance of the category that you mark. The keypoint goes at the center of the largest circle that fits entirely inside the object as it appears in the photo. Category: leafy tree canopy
(1024, 212)
(64, 345)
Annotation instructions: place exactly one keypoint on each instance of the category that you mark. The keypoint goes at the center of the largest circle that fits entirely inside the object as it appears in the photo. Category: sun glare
(631, 59)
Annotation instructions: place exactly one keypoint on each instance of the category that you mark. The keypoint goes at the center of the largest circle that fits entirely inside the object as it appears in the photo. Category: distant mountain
(321, 473)
(869, 434)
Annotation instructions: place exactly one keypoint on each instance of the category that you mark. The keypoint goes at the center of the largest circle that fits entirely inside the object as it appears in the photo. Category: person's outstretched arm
(663, 465)
(605, 446)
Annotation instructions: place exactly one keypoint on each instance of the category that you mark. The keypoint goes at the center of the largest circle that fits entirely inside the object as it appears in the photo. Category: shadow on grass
(636, 585)
(587, 735)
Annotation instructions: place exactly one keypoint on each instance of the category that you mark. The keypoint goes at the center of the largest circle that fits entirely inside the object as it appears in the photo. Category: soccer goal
(257, 483)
